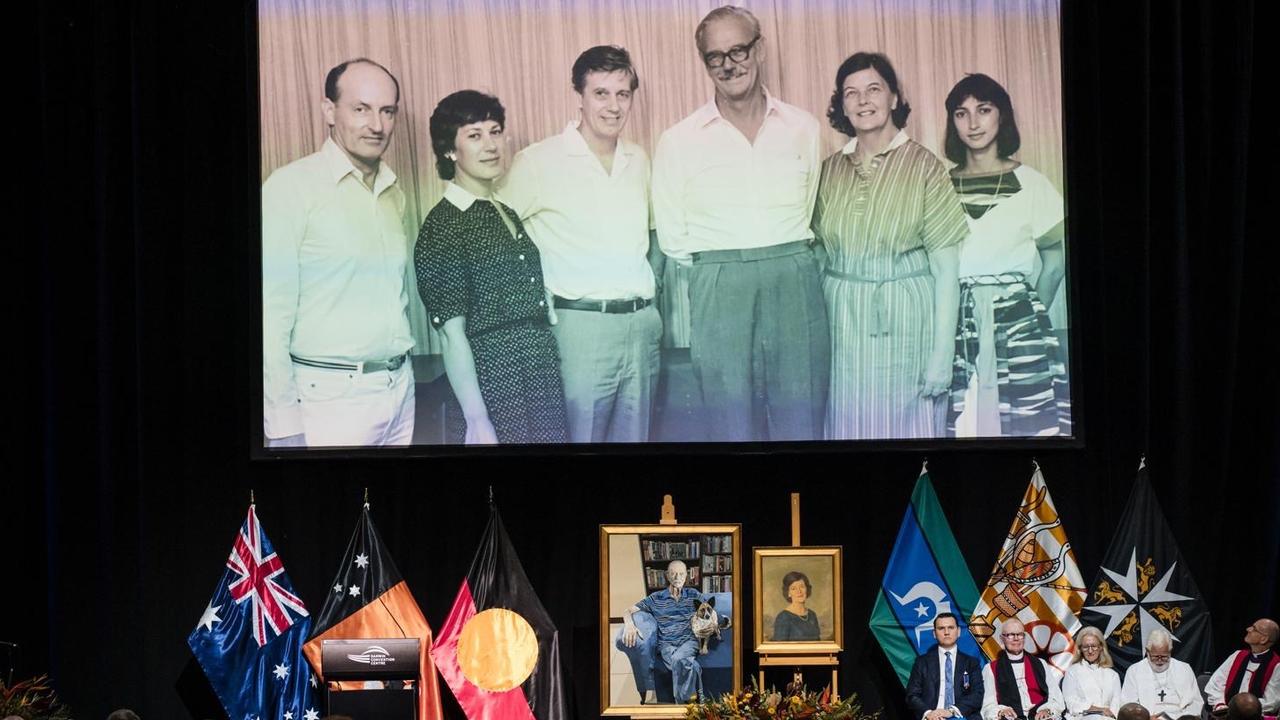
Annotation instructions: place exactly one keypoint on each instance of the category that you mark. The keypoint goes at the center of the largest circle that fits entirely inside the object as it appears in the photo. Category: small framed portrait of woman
(798, 600)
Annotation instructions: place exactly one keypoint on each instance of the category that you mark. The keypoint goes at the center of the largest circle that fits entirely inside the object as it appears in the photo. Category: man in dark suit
(945, 682)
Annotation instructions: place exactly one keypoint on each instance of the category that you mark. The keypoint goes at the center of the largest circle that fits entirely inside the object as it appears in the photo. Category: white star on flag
(288, 715)
(1129, 583)
(354, 591)
(281, 671)
(338, 588)
(313, 681)
(209, 617)
(362, 560)
(311, 714)
(922, 610)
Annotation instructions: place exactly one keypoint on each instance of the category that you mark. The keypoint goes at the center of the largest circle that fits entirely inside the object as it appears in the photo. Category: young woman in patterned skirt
(480, 277)
(1008, 376)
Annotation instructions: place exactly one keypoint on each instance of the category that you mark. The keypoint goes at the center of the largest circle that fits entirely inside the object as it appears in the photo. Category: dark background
(135, 381)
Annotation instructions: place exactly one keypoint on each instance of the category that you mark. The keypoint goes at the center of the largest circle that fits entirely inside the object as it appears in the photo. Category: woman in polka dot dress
(480, 277)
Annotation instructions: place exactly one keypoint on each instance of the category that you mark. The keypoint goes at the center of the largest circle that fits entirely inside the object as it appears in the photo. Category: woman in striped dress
(1008, 376)
(891, 227)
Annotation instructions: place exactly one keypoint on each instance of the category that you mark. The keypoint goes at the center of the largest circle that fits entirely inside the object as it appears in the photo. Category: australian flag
(249, 640)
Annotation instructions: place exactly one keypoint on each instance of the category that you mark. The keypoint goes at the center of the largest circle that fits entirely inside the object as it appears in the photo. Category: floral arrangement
(796, 703)
(32, 699)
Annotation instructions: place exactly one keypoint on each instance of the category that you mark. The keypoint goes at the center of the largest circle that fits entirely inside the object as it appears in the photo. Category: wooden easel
(797, 661)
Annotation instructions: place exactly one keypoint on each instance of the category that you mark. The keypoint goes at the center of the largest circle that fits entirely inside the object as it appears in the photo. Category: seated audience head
(1091, 647)
(1159, 647)
(1244, 706)
(1013, 636)
(946, 629)
(1133, 711)
(1261, 635)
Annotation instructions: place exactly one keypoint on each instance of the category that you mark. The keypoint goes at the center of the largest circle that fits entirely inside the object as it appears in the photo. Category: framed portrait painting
(799, 603)
(669, 616)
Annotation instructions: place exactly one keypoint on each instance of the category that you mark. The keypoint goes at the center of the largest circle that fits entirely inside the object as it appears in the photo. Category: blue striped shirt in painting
(673, 615)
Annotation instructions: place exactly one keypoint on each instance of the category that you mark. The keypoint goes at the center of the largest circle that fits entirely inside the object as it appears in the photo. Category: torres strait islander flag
(1035, 579)
(498, 650)
(369, 599)
(926, 576)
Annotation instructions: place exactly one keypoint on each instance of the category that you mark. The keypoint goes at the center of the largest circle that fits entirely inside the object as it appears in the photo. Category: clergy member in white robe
(1019, 685)
(1091, 688)
(1162, 684)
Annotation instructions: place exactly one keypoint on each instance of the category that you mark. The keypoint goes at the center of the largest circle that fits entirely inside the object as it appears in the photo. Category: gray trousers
(609, 363)
(760, 342)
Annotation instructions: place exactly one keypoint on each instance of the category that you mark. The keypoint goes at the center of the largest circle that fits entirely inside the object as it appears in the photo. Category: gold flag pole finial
(924, 465)
(1035, 464)
(490, 496)
(1142, 461)
(251, 496)
(366, 498)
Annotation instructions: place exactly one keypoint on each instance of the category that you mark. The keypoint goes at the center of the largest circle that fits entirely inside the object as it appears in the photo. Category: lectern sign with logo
(383, 664)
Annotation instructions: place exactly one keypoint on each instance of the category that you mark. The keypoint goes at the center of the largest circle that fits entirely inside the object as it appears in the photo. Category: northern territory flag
(926, 576)
(369, 599)
(1144, 584)
(1035, 579)
(498, 651)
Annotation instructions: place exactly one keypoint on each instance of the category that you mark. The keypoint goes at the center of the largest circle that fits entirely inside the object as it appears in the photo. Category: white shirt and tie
(947, 681)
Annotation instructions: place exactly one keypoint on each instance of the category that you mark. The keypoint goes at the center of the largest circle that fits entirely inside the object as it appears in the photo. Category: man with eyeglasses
(1018, 685)
(1164, 685)
(734, 185)
(1256, 670)
(944, 682)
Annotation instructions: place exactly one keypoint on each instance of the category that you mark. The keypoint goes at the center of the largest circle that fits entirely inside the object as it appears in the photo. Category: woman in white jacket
(1091, 687)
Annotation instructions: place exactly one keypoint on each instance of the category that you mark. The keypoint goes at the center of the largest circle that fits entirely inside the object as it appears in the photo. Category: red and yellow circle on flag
(497, 650)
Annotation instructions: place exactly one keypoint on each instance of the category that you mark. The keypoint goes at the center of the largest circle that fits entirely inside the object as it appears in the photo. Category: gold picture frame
(820, 631)
(633, 564)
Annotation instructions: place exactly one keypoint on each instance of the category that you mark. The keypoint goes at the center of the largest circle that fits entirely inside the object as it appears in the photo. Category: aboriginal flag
(498, 651)
(369, 599)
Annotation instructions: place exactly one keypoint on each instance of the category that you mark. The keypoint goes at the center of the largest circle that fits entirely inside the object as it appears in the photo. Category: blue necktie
(950, 690)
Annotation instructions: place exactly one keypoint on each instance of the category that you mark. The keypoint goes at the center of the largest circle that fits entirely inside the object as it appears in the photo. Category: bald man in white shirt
(335, 324)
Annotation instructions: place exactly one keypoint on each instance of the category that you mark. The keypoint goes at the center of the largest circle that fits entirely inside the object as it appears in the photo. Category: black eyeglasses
(740, 53)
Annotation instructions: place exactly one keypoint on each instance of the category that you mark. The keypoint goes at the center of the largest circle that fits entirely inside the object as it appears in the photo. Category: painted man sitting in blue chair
(672, 609)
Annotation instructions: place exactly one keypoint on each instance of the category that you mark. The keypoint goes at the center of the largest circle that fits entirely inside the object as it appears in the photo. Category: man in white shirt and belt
(335, 326)
(733, 192)
(1256, 670)
(584, 196)
(1017, 684)
(1162, 684)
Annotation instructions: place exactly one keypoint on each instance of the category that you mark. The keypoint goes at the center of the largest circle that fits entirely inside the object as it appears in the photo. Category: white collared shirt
(334, 257)
(591, 226)
(714, 190)
(941, 702)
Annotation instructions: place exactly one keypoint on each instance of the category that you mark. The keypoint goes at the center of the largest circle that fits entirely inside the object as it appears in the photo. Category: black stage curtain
(139, 392)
